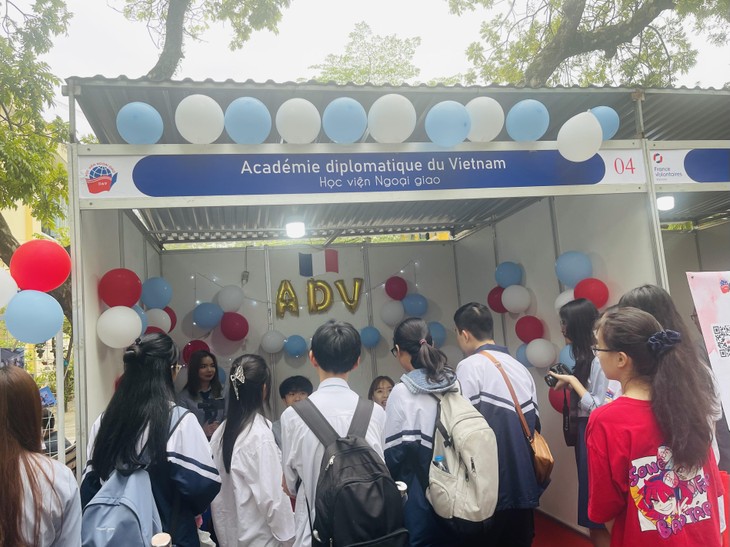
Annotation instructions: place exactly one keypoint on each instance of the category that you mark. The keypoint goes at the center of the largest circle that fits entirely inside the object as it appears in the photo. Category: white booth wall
(704, 250)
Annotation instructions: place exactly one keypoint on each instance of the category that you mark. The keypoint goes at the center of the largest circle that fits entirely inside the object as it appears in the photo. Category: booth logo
(658, 158)
(724, 286)
(100, 177)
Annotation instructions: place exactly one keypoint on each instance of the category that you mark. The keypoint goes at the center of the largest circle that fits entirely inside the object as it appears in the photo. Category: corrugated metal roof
(656, 114)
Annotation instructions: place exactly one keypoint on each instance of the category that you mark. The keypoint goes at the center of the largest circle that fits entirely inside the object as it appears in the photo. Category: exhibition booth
(198, 214)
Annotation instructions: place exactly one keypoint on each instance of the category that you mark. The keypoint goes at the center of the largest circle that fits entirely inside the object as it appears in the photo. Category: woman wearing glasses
(653, 477)
(410, 423)
(591, 389)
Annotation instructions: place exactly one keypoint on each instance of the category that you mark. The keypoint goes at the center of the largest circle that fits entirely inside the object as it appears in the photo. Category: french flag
(313, 264)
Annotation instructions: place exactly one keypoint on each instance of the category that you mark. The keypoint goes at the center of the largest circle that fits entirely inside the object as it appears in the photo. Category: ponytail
(413, 337)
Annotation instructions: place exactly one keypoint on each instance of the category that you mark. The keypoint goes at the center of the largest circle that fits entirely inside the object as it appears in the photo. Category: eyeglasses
(394, 351)
(596, 350)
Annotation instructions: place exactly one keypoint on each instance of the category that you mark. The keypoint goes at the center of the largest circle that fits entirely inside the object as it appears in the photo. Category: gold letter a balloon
(286, 299)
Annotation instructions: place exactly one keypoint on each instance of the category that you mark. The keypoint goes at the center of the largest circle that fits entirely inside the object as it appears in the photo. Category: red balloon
(191, 347)
(592, 289)
(120, 287)
(494, 300)
(40, 265)
(529, 328)
(153, 329)
(556, 398)
(396, 287)
(234, 326)
(173, 317)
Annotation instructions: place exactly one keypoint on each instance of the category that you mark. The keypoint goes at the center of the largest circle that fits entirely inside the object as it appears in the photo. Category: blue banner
(258, 174)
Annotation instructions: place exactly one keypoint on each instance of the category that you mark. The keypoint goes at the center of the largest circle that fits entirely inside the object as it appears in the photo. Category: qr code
(722, 339)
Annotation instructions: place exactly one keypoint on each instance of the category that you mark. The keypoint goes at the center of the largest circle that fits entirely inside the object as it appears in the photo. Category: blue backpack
(123, 511)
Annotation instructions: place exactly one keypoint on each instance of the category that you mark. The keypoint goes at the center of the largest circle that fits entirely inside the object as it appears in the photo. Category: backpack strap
(316, 422)
(361, 418)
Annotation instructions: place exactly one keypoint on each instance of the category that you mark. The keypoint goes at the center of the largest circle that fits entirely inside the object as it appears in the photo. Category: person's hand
(564, 380)
(210, 428)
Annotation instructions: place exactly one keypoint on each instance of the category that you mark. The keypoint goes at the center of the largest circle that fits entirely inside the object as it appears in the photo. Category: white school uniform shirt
(302, 451)
(61, 512)
(251, 508)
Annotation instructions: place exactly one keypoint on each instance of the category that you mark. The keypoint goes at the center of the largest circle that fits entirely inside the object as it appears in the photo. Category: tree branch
(172, 52)
(569, 41)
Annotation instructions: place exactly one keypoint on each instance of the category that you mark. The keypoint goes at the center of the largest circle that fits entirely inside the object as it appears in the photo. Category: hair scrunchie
(422, 341)
(662, 341)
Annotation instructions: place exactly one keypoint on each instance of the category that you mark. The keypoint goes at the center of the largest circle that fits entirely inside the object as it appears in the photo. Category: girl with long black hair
(136, 430)
(252, 508)
(590, 389)
(203, 390)
(410, 423)
(653, 477)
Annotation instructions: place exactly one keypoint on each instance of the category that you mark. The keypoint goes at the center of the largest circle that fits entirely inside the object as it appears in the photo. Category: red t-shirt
(633, 480)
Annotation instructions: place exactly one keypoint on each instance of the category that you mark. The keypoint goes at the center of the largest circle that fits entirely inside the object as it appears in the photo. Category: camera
(557, 368)
(211, 407)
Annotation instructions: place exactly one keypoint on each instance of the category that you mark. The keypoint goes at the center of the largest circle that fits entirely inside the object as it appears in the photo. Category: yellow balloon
(286, 299)
(319, 296)
(350, 303)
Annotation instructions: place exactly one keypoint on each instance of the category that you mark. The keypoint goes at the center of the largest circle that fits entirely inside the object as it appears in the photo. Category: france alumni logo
(100, 177)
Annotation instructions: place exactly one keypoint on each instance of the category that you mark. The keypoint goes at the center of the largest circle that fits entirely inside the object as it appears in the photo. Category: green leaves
(370, 58)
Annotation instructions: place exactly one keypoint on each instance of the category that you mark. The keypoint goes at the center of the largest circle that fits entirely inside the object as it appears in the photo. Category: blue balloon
(609, 120)
(139, 123)
(415, 305)
(156, 292)
(33, 317)
(508, 274)
(344, 120)
(295, 345)
(566, 356)
(142, 316)
(207, 315)
(521, 356)
(370, 337)
(222, 376)
(448, 123)
(527, 121)
(247, 121)
(572, 267)
(438, 333)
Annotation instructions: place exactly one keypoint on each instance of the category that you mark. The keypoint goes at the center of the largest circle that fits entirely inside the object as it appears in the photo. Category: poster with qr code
(711, 296)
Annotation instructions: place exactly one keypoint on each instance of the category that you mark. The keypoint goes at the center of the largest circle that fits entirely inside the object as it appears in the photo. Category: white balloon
(298, 121)
(272, 341)
(516, 298)
(230, 298)
(487, 119)
(222, 345)
(8, 287)
(541, 353)
(391, 119)
(563, 298)
(159, 318)
(118, 327)
(580, 137)
(199, 119)
(392, 313)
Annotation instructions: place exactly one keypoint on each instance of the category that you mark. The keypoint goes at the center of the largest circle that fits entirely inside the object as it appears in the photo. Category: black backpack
(356, 500)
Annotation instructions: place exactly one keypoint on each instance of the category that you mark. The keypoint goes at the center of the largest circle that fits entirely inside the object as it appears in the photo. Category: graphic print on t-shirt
(668, 497)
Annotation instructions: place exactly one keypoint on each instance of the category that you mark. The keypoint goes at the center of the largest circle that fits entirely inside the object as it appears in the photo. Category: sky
(101, 41)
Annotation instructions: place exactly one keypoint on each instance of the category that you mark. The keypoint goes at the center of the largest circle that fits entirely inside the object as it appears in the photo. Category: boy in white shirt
(335, 352)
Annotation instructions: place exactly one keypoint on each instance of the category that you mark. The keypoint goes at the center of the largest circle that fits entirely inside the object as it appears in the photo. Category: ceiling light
(295, 230)
(665, 203)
